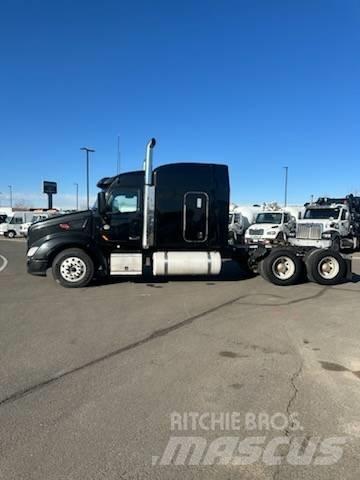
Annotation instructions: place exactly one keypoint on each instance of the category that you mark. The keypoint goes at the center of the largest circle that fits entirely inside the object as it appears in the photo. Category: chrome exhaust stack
(149, 198)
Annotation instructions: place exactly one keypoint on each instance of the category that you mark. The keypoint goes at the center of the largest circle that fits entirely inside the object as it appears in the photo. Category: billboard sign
(49, 187)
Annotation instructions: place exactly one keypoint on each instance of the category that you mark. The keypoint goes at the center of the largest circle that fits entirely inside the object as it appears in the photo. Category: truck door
(196, 217)
(344, 223)
(125, 218)
(287, 223)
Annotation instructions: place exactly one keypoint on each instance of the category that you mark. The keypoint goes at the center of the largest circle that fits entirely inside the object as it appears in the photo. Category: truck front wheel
(326, 267)
(281, 267)
(73, 268)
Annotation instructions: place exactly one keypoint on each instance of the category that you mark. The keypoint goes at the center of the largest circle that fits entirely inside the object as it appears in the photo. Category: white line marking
(5, 262)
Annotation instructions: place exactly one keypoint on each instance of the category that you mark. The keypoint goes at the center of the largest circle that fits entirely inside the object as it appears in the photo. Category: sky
(255, 84)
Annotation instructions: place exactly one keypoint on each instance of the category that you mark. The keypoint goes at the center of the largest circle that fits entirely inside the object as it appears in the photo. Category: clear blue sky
(256, 84)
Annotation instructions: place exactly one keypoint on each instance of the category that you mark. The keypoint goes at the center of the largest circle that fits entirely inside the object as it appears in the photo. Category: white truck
(271, 226)
(18, 223)
(24, 227)
(329, 223)
(240, 218)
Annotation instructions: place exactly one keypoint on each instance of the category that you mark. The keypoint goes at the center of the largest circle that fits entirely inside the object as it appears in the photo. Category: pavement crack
(291, 424)
(293, 397)
(153, 336)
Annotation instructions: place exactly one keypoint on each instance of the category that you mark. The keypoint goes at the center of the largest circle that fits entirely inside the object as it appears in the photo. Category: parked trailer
(172, 220)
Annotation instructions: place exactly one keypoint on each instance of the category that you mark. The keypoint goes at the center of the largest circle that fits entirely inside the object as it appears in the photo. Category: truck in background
(329, 223)
(273, 225)
(270, 227)
(18, 222)
(37, 217)
(240, 218)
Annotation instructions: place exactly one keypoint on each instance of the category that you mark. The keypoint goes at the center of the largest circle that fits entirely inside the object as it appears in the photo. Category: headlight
(32, 251)
(292, 234)
(271, 232)
(326, 235)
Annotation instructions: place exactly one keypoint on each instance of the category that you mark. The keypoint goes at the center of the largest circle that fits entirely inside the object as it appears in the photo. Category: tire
(326, 267)
(73, 268)
(11, 234)
(260, 269)
(282, 267)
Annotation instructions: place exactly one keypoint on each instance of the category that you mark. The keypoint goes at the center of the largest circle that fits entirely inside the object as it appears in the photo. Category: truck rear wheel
(281, 267)
(73, 268)
(326, 267)
(11, 234)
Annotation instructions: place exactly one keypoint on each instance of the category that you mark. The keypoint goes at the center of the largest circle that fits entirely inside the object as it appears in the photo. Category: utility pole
(118, 155)
(77, 196)
(11, 195)
(87, 150)
(286, 185)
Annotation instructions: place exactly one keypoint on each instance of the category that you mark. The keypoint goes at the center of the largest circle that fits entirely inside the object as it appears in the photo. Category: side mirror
(101, 203)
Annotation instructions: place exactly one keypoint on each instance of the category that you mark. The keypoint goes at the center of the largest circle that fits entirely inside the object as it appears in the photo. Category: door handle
(134, 238)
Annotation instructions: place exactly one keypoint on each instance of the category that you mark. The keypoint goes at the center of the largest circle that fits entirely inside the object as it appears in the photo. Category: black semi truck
(172, 220)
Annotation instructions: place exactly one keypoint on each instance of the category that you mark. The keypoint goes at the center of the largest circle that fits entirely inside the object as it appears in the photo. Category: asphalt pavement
(92, 379)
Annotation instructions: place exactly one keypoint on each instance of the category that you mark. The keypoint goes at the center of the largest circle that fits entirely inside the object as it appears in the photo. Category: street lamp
(87, 150)
(286, 185)
(11, 195)
(77, 195)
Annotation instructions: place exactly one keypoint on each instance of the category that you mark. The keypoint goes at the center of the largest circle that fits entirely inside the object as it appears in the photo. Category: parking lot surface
(91, 378)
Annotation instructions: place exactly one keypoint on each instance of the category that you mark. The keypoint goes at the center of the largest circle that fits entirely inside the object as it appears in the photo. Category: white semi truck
(329, 223)
(330, 229)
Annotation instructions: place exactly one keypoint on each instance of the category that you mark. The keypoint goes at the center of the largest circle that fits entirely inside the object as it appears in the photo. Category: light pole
(87, 150)
(118, 156)
(77, 196)
(286, 185)
(11, 195)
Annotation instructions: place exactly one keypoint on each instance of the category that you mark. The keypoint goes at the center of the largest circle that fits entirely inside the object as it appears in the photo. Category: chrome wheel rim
(73, 269)
(328, 267)
(283, 268)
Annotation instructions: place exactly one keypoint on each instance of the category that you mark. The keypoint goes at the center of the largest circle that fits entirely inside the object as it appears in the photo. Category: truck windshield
(322, 213)
(269, 217)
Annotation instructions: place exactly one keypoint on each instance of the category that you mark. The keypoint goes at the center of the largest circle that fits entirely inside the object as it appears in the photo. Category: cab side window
(16, 221)
(124, 202)
(343, 215)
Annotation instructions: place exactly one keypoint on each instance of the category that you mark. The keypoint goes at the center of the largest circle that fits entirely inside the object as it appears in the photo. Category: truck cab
(325, 225)
(270, 227)
(172, 220)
